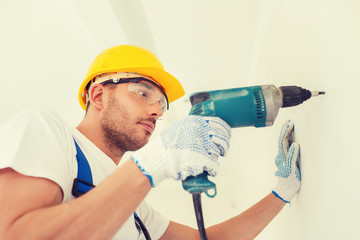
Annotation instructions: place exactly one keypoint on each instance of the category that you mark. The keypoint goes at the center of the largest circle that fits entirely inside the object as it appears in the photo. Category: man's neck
(95, 135)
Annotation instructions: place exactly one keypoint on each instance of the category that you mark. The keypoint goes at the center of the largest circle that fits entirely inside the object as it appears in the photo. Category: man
(125, 91)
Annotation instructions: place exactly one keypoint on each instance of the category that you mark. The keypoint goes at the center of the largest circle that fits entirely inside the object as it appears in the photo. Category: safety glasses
(147, 90)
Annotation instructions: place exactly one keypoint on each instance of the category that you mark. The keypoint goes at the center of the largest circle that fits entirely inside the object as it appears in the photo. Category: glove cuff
(151, 161)
(286, 189)
(278, 196)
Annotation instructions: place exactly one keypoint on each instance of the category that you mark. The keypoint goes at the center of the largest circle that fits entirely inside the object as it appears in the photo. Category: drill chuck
(293, 95)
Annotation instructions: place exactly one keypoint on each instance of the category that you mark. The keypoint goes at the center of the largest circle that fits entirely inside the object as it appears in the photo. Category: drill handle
(201, 105)
(200, 184)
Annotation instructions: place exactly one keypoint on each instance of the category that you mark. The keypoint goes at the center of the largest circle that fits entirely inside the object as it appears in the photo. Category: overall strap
(83, 183)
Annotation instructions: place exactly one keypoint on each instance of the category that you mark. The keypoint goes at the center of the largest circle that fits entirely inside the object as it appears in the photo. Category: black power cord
(140, 226)
(199, 215)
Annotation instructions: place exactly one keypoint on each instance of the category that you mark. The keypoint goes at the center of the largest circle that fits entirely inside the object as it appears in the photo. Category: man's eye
(142, 93)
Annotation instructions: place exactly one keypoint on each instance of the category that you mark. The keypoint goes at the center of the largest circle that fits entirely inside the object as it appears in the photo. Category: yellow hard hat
(128, 58)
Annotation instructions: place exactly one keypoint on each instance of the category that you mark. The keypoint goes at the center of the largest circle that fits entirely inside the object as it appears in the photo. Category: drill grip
(200, 184)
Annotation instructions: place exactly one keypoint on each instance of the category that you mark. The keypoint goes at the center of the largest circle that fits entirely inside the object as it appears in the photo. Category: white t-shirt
(38, 143)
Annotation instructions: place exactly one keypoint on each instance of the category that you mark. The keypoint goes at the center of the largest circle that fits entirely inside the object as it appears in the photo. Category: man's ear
(96, 96)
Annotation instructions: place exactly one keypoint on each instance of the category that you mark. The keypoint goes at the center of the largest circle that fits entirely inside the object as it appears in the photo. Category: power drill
(255, 106)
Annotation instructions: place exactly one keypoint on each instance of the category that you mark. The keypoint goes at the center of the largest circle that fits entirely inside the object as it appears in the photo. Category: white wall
(316, 44)
(313, 44)
(46, 47)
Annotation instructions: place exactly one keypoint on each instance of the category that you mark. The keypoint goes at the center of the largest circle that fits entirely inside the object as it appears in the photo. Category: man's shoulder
(37, 113)
(34, 118)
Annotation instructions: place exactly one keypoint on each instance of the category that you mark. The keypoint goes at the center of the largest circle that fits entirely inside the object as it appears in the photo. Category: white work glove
(288, 172)
(188, 147)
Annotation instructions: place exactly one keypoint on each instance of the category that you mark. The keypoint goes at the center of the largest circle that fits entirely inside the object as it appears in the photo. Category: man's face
(127, 121)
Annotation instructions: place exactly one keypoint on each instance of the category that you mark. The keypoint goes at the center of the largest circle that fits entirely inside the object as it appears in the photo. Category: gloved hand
(188, 147)
(288, 172)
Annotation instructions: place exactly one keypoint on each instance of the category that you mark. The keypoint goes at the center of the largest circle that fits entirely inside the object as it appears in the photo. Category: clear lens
(149, 93)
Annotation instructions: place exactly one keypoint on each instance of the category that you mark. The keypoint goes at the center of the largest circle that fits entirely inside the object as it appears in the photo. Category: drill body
(240, 107)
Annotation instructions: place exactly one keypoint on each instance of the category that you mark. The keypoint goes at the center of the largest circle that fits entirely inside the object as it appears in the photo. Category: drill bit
(317, 93)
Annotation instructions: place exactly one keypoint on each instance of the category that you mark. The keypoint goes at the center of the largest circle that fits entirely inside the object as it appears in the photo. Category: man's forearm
(96, 215)
(250, 223)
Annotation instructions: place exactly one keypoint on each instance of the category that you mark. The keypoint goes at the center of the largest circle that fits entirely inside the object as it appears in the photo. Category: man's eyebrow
(149, 86)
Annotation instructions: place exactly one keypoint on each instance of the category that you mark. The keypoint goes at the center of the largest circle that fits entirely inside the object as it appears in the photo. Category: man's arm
(251, 222)
(244, 226)
(28, 204)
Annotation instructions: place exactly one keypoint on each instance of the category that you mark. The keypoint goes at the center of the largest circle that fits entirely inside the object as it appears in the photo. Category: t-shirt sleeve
(35, 143)
(155, 223)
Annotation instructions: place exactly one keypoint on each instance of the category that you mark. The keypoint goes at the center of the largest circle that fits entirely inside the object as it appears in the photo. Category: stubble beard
(117, 129)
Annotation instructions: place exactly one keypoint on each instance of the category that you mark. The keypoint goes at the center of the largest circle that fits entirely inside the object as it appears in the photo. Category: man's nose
(155, 110)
